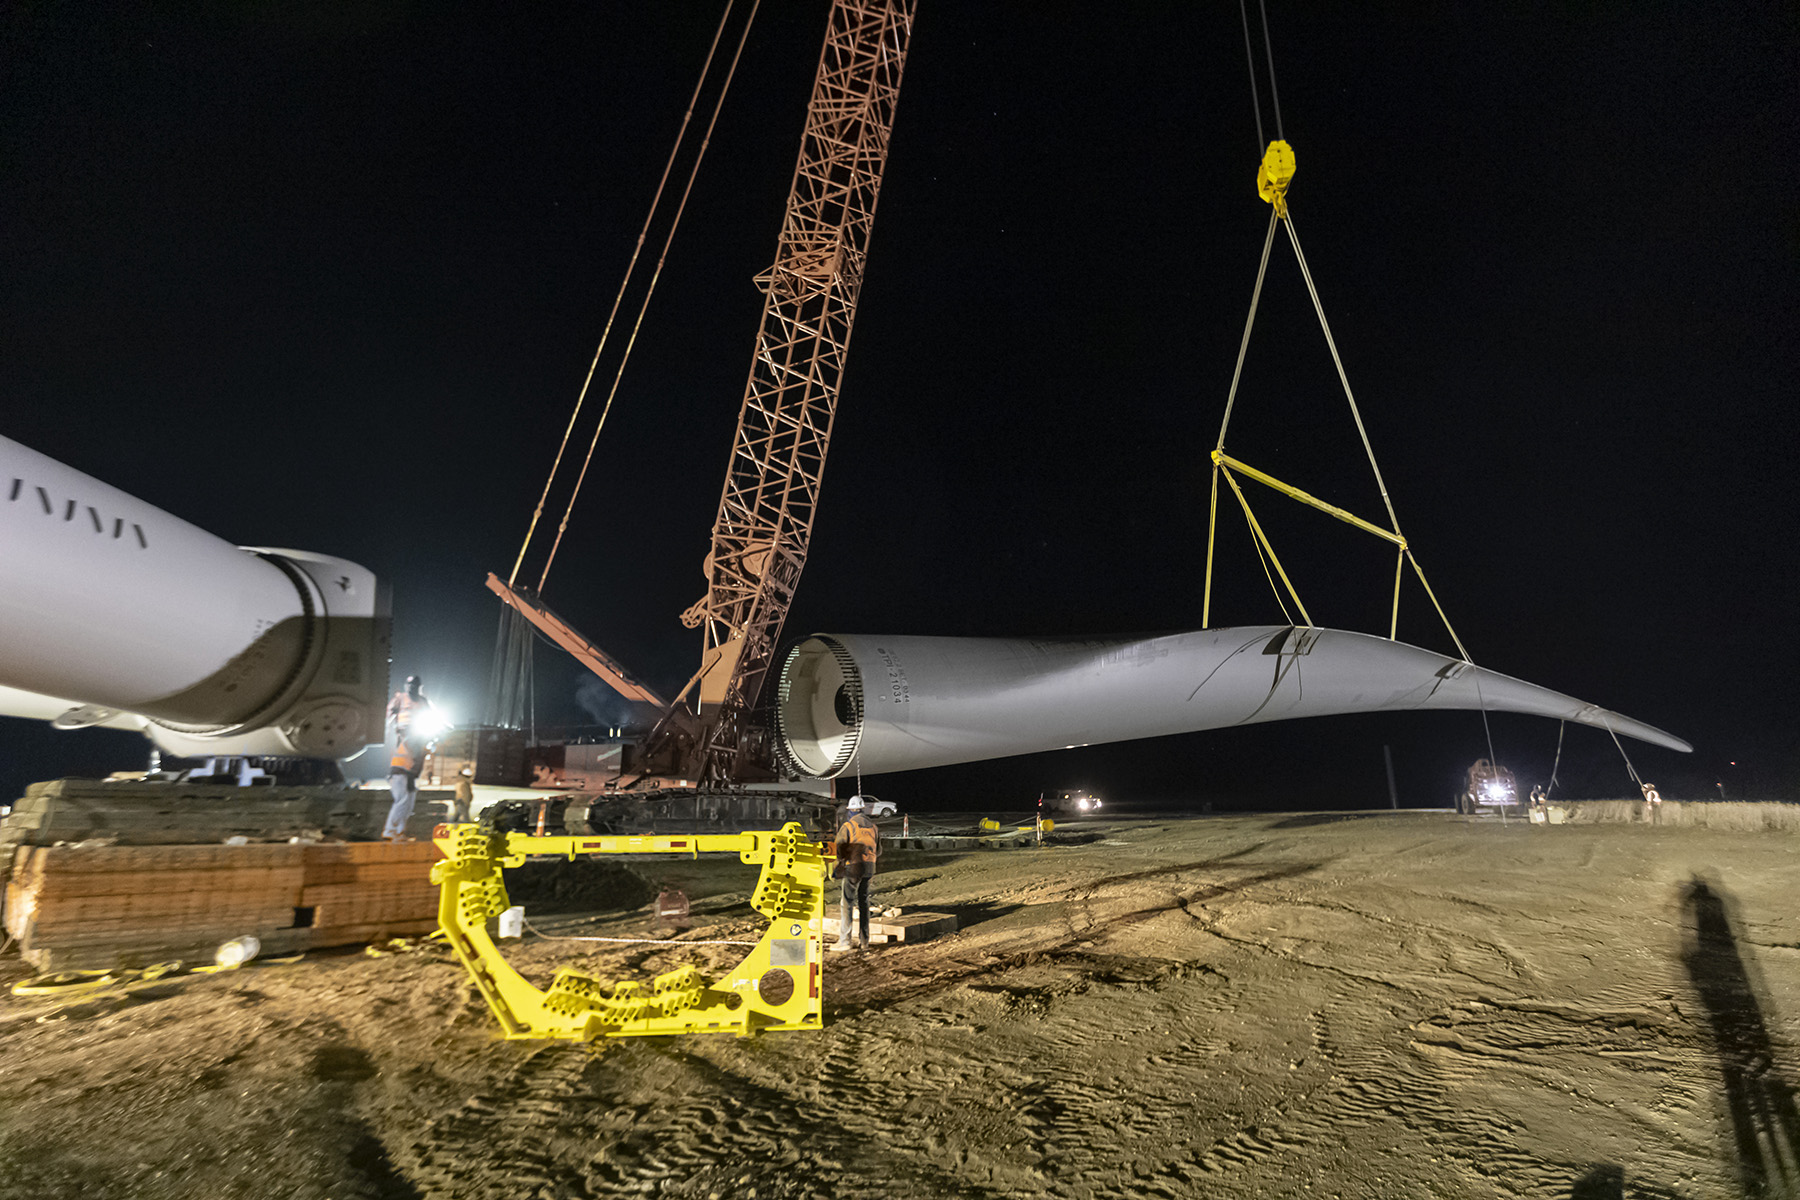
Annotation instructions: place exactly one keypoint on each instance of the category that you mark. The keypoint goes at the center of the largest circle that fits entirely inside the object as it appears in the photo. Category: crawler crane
(712, 733)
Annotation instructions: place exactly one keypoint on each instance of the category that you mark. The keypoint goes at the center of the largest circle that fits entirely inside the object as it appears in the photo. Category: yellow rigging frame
(1273, 177)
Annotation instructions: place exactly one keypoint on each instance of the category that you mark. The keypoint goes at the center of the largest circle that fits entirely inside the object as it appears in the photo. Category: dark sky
(328, 276)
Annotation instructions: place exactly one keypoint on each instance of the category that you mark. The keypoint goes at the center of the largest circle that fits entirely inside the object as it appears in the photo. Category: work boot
(838, 947)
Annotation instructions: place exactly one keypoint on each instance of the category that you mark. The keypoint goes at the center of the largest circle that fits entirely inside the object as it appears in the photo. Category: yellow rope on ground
(67, 983)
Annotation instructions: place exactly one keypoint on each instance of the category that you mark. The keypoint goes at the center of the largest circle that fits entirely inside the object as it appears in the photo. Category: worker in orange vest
(858, 846)
(410, 746)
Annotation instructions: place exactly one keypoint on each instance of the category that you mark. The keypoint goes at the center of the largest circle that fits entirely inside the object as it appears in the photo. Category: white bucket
(512, 922)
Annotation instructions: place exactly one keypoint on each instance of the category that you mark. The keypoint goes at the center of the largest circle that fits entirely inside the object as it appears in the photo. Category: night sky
(328, 276)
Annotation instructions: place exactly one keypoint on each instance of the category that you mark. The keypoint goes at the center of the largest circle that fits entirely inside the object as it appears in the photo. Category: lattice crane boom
(773, 478)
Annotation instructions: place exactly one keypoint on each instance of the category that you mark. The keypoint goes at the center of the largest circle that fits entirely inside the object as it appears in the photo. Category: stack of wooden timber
(358, 890)
(102, 906)
(144, 814)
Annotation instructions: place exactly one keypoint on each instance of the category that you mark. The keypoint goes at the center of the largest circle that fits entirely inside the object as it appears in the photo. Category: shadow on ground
(968, 915)
(1306, 820)
(1764, 1122)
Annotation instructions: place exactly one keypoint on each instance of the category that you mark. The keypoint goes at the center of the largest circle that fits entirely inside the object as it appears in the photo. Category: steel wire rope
(1344, 378)
(1269, 51)
(655, 277)
(1237, 372)
(619, 297)
(1381, 484)
(1250, 62)
(1212, 517)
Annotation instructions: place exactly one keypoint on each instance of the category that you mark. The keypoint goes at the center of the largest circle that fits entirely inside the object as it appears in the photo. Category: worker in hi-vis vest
(858, 846)
(410, 746)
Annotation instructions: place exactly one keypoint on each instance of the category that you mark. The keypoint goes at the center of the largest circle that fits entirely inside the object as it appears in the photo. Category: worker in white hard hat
(858, 846)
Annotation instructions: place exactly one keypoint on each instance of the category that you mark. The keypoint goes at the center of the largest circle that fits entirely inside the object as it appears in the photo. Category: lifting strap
(1561, 728)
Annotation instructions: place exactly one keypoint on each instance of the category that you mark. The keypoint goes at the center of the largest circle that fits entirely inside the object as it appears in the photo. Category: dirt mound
(587, 886)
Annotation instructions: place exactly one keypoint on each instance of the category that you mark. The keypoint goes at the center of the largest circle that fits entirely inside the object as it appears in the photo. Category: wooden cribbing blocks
(102, 906)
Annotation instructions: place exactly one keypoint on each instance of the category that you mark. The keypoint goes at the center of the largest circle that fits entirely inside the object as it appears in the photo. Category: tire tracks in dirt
(486, 1148)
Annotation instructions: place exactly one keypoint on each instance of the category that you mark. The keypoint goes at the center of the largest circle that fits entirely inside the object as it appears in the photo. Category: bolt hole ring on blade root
(820, 712)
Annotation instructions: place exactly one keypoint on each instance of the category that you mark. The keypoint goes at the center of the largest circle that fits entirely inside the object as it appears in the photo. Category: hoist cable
(1269, 50)
(655, 202)
(1250, 62)
(687, 191)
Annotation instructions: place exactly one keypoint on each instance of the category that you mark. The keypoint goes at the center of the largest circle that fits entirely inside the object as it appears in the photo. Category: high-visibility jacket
(405, 757)
(858, 841)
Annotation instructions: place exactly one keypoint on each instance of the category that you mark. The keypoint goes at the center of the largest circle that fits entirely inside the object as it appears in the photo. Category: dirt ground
(1347, 1005)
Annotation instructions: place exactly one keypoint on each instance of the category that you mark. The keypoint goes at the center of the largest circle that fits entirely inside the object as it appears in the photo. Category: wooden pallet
(912, 927)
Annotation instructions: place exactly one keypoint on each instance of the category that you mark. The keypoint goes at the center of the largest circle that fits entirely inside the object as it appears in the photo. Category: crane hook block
(1275, 173)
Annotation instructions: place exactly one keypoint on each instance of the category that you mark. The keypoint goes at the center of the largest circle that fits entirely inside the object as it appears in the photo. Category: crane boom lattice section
(777, 464)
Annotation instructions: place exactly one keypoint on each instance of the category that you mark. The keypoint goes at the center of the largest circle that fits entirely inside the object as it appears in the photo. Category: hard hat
(413, 681)
(856, 803)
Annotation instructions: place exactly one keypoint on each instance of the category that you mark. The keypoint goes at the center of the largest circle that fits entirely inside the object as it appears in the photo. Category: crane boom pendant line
(619, 296)
(649, 294)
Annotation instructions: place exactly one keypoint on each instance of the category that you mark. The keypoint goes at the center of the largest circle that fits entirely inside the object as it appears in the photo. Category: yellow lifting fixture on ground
(777, 986)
